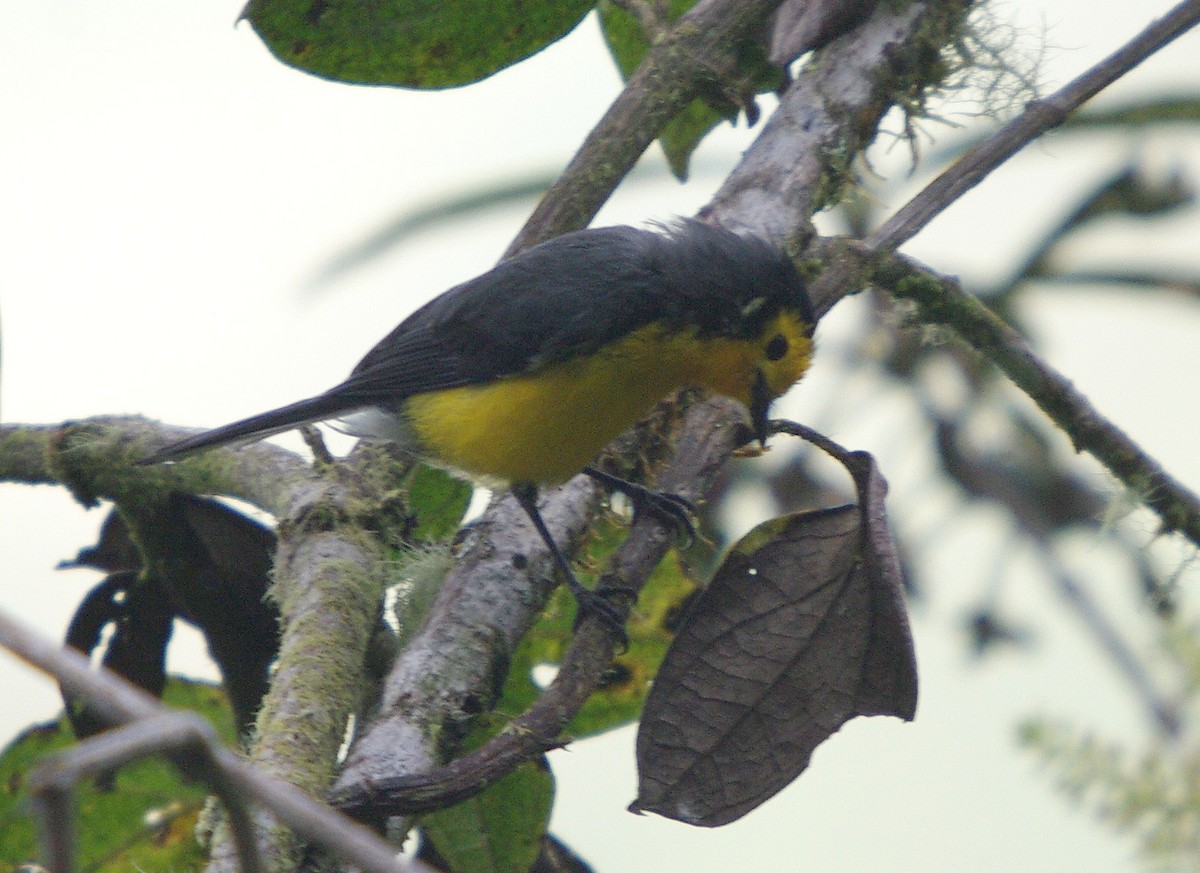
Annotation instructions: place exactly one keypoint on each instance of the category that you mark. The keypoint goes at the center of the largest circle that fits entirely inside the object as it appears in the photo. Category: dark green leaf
(410, 43)
(684, 132)
(437, 501)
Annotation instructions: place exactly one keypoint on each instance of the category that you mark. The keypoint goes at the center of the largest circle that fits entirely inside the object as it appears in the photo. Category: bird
(522, 375)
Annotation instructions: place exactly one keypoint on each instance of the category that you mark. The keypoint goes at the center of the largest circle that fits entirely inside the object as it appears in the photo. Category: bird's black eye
(777, 347)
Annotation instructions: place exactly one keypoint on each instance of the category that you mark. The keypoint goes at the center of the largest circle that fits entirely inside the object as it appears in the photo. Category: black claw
(598, 605)
(674, 509)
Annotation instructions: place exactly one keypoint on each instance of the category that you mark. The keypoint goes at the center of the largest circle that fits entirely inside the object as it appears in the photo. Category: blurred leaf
(802, 628)
(679, 138)
(146, 822)
(1152, 794)
(1132, 280)
(988, 630)
(438, 502)
(500, 830)
(414, 221)
(1132, 118)
(408, 42)
(214, 575)
(1129, 192)
(1175, 109)
(618, 700)
(1029, 478)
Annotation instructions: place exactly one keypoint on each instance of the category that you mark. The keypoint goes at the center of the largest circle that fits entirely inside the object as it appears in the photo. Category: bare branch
(184, 737)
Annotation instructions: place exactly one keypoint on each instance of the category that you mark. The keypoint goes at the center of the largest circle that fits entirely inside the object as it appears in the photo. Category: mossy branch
(941, 300)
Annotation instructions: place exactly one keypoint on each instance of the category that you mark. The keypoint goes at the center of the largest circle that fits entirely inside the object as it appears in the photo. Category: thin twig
(184, 737)
(942, 301)
(1039, 117)
(121, 702)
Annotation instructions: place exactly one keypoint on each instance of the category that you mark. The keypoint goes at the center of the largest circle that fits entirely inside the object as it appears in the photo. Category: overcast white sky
(167, 189)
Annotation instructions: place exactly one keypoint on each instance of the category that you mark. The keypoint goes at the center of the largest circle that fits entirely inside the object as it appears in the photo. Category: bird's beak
(760, 404)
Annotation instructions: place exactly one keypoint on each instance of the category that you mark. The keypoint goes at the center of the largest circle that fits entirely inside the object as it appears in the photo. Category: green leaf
(437, 501)
(500, 830)
(628, 46)
(146, 822)
(410, 43)
(683, 134)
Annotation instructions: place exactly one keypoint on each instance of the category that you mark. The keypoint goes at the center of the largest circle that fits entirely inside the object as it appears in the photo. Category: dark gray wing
(564, 298)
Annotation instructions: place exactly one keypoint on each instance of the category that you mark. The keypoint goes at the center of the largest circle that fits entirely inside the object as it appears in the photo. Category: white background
(168, 190)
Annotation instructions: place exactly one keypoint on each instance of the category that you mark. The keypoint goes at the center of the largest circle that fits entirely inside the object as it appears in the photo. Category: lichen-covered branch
(803, 157)
(942, 301)
(328, 577)
(453, 667)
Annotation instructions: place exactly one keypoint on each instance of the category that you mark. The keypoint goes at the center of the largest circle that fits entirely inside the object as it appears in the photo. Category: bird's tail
(256, 427)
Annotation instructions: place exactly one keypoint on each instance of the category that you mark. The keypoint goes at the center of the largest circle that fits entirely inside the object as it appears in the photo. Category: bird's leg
(589, 601)
(671, 508)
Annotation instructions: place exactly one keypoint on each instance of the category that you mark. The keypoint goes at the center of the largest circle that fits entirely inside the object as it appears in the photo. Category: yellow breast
(546, 425)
